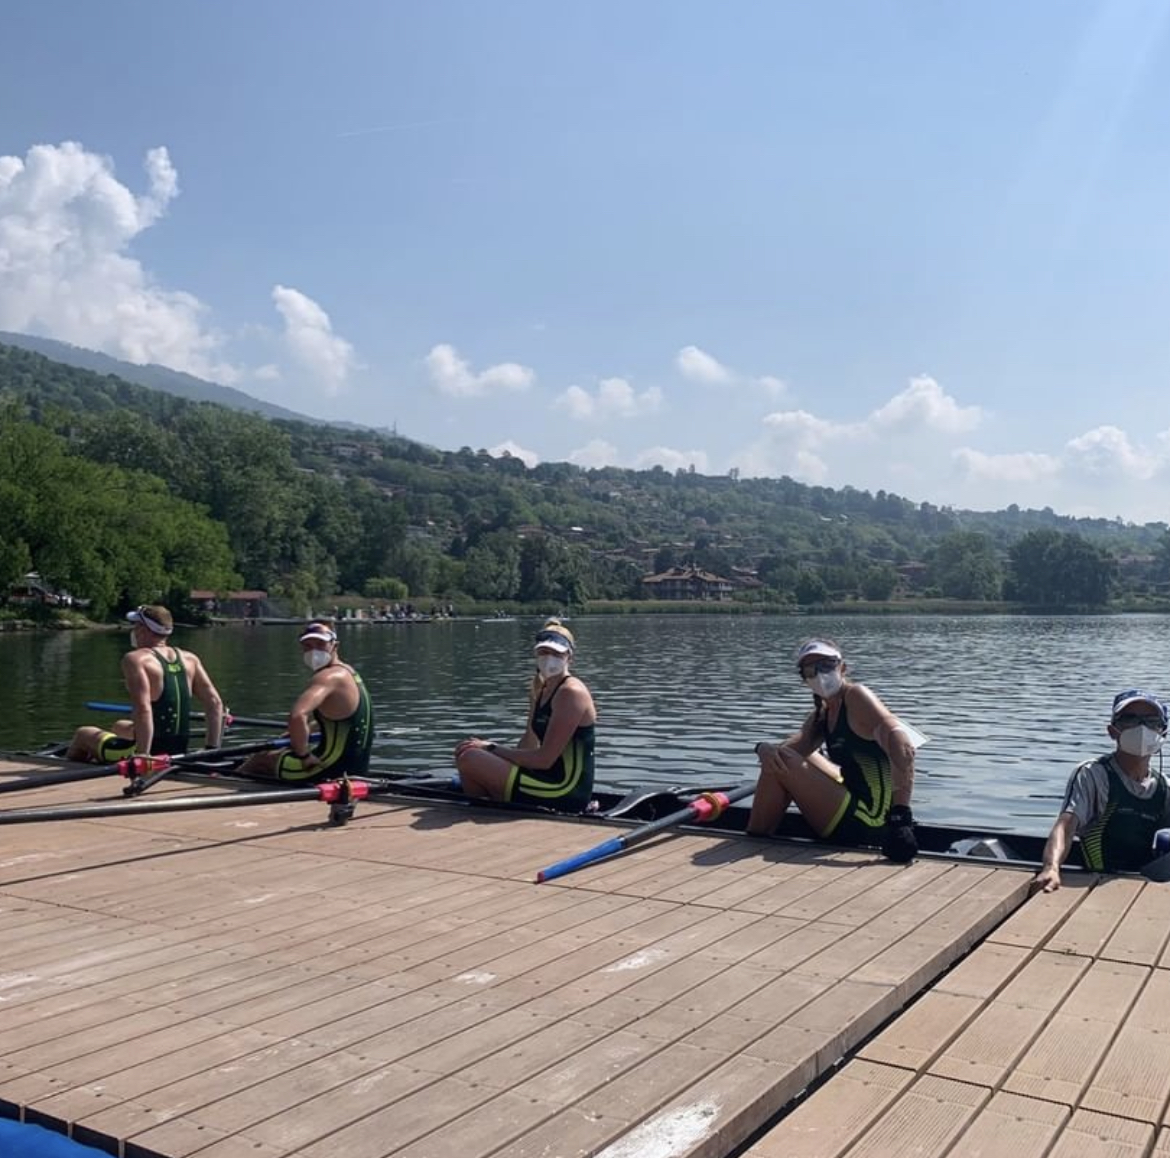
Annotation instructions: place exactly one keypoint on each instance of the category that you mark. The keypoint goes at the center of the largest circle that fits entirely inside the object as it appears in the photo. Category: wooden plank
(1011, 1125)
(1092, 923)
(1068, 1050)
(1134, 1078)
(984, 1052)
(920, 1033)
(1031, 925)
(1142, 936)
(933, 1112)
(836, 1115)
(1090, 1135)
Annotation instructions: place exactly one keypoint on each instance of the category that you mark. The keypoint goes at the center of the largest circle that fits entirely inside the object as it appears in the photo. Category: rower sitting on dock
(1115, 803)
(552, 765)
(857, 794)
(336, 705)
(160, 680)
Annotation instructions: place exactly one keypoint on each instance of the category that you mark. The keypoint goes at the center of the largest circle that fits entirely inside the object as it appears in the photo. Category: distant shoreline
(71, 621)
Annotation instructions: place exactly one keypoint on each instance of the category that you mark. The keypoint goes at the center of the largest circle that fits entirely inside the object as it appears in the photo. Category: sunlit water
(1010, 704)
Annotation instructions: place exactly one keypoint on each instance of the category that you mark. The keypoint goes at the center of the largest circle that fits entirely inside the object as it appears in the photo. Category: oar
(229, 718)
(340, 795)
(709, 806)
(159, 766)
(134, 766)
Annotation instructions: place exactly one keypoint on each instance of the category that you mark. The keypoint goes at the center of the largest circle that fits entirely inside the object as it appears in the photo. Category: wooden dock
(1052, 1038)
(251, 982)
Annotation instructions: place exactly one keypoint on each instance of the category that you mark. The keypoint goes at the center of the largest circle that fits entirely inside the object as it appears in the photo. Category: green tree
(1051, 568)
(965, 565)
(878, 583)
(810, 588)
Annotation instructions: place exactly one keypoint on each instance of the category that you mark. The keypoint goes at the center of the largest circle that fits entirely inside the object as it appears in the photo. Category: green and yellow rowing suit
(344, 746)
(868, 778)
(568, 785)
(171, 712)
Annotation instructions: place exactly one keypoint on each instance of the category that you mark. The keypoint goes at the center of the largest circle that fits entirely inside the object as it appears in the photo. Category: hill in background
(154, 377)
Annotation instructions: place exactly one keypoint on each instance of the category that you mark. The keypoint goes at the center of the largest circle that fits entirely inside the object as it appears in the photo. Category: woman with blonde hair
(850, 768)
(552, 765)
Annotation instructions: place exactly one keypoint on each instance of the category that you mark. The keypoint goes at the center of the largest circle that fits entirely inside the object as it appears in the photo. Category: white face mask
(551, 666)
(826, 684)
(1140, 741)
(317, 658)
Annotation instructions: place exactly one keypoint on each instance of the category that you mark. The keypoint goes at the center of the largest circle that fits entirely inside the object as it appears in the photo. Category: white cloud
(1107, 452)
(528, 457)
(1026, 467)
(615, 398)
(699, 366)
(902, 443)
(595, 453)
(772, 385)
(66, 227)
(671, 459)
(452, 375)
(267, 373)
(924, 406)
(311, 342)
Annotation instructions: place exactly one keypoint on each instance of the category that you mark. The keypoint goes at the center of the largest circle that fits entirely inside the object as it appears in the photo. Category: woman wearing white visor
(859, 794)
(552, 766)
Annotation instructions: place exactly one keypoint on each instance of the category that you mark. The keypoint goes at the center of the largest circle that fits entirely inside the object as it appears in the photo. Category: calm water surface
(1011, 704)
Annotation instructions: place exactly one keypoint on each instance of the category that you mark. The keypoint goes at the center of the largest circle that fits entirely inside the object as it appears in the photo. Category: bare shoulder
(864, 706)
(575, 693)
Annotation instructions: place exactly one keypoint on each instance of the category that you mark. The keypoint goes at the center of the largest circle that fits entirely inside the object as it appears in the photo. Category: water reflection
(1011, 703)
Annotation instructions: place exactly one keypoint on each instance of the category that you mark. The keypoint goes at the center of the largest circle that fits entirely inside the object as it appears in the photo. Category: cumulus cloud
(528, 457)
(924, 406)
(311, 342)
(452, 375)
(903, 442)
(1107, 452)
(672, 459)
(66, 227)
(699, 366)
(614, 398)
(267, 373)
(1025, 467)
(595, 453)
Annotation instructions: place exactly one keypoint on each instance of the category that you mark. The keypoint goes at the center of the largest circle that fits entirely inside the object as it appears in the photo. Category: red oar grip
(710, 805)
(334, 790)
(136, 765)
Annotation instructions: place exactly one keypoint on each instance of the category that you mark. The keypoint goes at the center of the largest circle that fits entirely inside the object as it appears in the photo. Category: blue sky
(905, 246)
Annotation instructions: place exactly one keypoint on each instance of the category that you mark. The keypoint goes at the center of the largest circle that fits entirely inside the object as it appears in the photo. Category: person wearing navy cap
(1116, 803)
(858, 792)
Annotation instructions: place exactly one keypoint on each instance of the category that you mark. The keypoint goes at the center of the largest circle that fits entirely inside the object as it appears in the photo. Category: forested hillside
(120, 494)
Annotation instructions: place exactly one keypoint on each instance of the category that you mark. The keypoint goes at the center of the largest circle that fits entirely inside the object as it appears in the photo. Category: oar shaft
(156, 804)
(229, 717)
(40, 779)
(707, 807)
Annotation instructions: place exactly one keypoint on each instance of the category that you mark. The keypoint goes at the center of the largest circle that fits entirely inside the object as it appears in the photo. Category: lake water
(1010, 703)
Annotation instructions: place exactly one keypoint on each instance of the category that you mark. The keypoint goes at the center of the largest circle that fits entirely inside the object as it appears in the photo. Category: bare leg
(483, 774)
(259, 764)
(771, 798)
(813, 783)
(84, 744)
